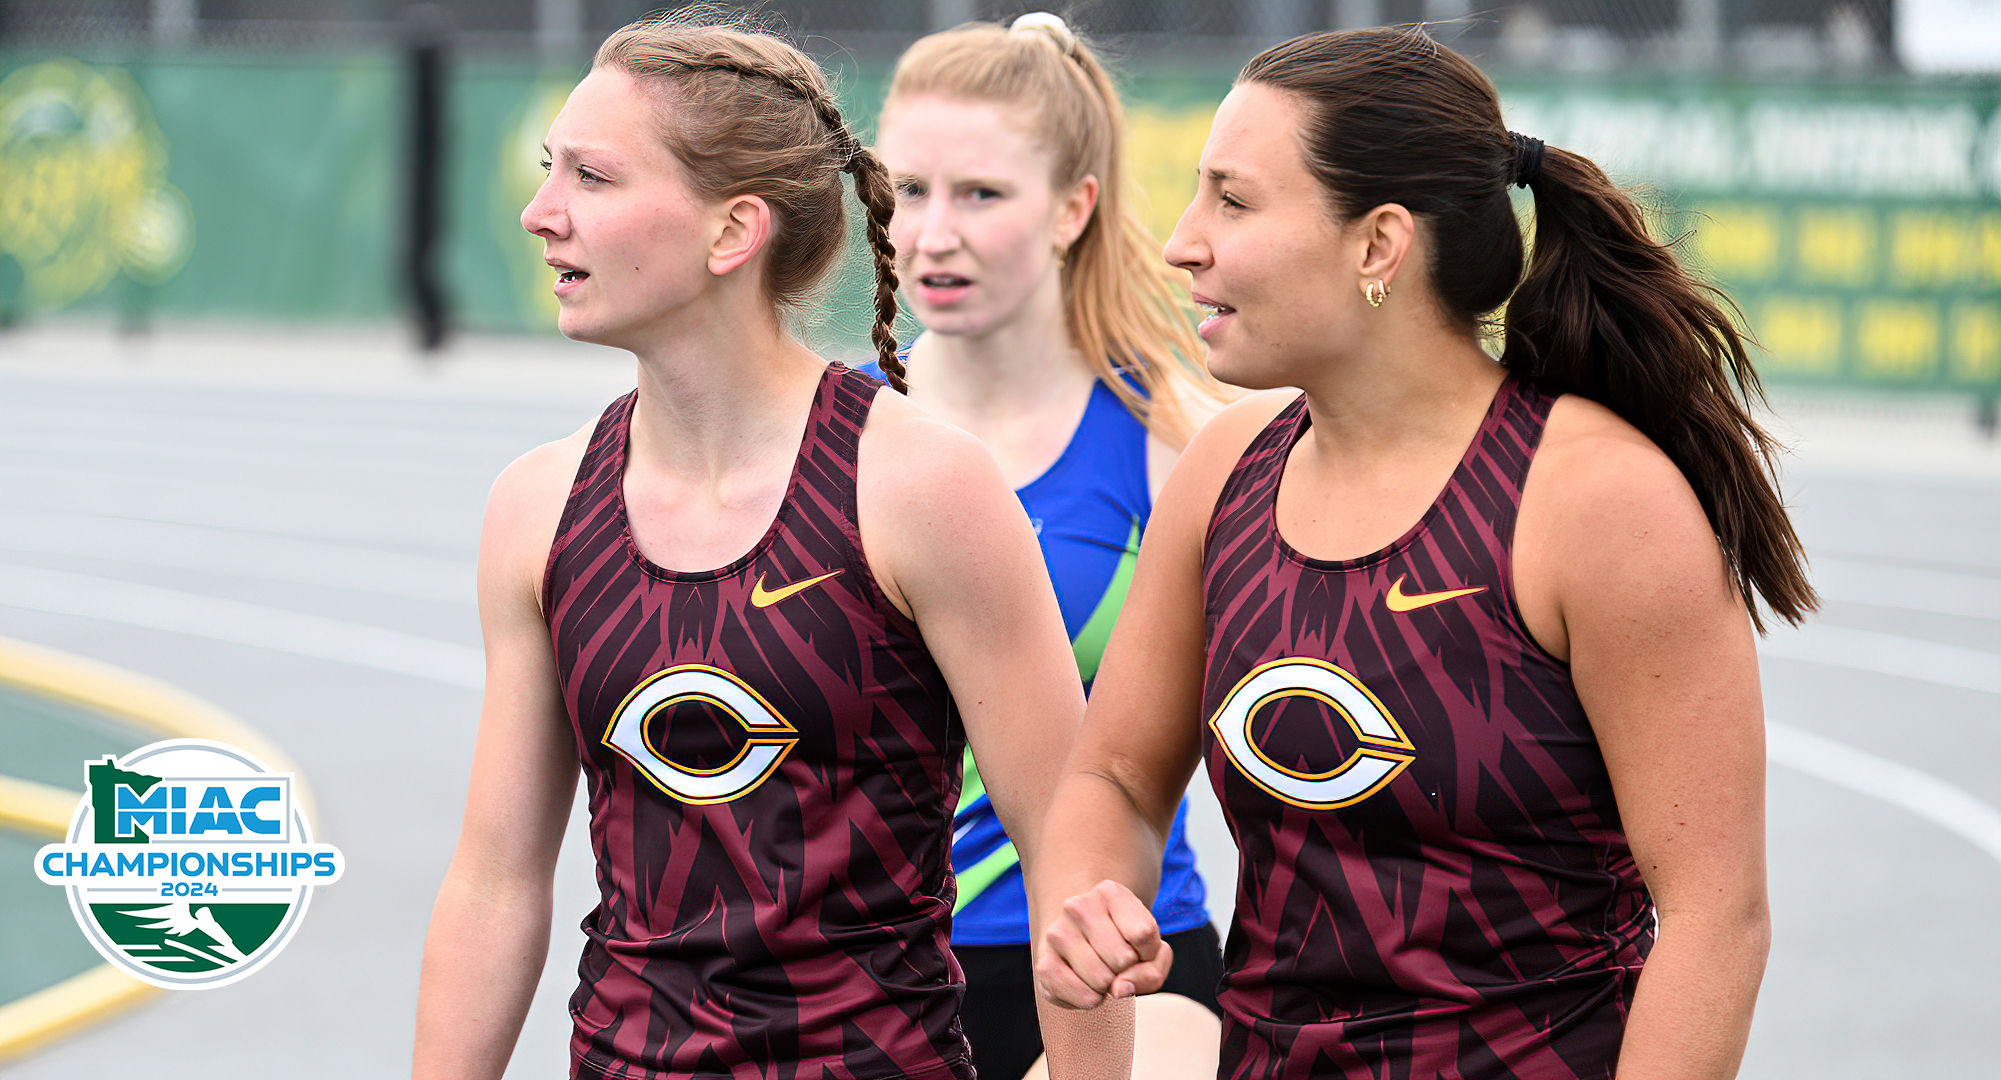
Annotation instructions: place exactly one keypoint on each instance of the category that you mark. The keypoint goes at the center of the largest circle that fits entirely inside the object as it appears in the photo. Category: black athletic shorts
(999, 1015)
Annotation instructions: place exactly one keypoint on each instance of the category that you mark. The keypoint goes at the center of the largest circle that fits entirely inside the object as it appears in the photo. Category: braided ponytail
(755, 116)
(879, 197)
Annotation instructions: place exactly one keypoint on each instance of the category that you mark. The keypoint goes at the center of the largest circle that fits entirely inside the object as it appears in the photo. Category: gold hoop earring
(1375, 292)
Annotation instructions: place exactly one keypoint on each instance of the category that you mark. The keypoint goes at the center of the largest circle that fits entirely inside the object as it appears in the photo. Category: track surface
(287, 527)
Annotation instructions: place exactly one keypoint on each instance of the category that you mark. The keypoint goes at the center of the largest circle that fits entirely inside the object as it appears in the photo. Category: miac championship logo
(188, 864)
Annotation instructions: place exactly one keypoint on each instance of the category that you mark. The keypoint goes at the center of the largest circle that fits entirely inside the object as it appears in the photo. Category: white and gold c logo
(771, 738)
(1384, 751)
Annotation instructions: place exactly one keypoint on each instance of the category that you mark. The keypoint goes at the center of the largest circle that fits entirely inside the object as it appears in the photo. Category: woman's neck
(719, 394)
(1413, 388)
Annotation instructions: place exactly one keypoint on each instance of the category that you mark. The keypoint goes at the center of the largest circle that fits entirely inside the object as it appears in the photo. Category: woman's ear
(1074, 212)
(743, 225)
(1387, 234)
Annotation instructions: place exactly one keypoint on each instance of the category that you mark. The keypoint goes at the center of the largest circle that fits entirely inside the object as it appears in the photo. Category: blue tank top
(1088, 510)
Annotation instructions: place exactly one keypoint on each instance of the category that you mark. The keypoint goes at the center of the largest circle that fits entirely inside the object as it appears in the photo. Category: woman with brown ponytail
(763, 603)
(1467, 646)
(1056, 335)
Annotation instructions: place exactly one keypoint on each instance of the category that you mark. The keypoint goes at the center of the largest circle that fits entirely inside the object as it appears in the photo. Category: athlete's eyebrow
(578, 153)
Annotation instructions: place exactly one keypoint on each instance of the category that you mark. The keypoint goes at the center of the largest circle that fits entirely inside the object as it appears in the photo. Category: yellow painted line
(44, 810)
(140, 701)
(40, 809)
(67, 1007)
(77, 1002)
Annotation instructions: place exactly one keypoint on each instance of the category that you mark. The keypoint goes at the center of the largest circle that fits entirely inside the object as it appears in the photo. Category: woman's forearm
(1095, 832)
(1087, 1045)
(1692, 1013)
(483, 957)
(1095, 938)
(1091, 832)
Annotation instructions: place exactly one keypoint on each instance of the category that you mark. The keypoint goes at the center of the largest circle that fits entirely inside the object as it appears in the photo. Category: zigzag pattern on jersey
(1475, 915)
(798, 929)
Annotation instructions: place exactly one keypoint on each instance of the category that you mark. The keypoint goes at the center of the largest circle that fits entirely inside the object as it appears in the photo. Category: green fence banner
(1858, 226)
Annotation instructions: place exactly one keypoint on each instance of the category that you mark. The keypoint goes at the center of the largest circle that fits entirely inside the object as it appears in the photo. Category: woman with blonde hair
(761, 604)
(1056, 335)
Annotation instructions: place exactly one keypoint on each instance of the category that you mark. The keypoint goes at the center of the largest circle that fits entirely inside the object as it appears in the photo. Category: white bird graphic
(177, 919)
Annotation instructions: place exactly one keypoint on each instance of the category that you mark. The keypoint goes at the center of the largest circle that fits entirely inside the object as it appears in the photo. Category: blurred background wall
(1835, 164)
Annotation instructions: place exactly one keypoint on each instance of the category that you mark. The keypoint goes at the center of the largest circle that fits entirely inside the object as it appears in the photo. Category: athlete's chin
(573, 323)
(1245, 367)
(581, 325)
(951, 321)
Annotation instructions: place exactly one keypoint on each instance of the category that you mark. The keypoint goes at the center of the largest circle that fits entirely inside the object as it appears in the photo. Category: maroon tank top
(1434, 880)
(773, 760)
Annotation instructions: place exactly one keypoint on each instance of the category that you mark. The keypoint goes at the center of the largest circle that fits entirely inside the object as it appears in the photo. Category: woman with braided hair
(763, 602)
(1466, 645)
(1054, 333)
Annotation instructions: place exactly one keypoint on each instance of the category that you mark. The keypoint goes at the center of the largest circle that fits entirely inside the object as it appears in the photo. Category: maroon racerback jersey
(1434, 880)
(773, 760)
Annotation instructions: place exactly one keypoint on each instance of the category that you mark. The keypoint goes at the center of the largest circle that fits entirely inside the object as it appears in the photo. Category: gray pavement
(286, 526)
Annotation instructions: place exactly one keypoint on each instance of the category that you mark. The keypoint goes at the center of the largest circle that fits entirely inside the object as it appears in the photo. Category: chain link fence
(1574, 37)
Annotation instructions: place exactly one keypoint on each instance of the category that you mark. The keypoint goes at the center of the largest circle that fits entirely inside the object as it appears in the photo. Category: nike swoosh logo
(762, 597)
(1399, 601)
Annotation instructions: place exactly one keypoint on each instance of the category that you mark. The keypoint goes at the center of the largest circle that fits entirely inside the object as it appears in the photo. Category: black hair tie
(1528, 159)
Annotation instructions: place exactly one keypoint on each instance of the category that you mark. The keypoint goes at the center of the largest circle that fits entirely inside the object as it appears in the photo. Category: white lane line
(229, 551)
(242, 624)
(1948, 806)
(1887, 654)
(1940, 592)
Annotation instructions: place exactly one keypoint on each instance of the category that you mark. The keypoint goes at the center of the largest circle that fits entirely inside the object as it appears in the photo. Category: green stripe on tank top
(1090, 643)
(1089, 648)
(979, 877)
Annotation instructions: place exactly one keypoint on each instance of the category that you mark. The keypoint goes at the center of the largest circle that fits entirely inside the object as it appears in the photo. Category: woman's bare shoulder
(1605, 511)
(1240, 421)
(1590, 457)
(541, 475)
(1215, 449)
(929, 502)
(906, 446)
(525, 506)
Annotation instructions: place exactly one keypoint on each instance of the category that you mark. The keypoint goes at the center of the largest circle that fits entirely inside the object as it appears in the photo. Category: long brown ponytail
(756, 116)
(1604, 311)
(1608, 312)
